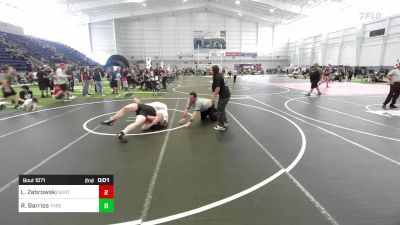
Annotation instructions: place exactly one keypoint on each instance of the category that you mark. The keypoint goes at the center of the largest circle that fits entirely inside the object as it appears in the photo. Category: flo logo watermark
(370, 15)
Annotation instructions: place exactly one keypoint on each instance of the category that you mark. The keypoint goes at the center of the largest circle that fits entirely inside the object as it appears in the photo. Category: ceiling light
(144, 4)
(310, 2)
(184, 0)
(272, 10)
(237, 2)
(239, 14)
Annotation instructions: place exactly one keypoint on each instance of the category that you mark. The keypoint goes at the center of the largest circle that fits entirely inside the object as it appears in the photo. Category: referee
(203, 106)
(222, 90)
(394, 81)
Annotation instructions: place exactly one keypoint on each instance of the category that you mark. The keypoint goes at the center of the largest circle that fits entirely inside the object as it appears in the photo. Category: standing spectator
(326, 76)
(49, 78)
(6, 83)
(71, 79)
(350, 74)
(130, 79)
(118, 79)
(133, 79)
(43, 82)
(219, 88)
(141, 81)
(163, 79)
(394, 81)
(113, 81)
(85, 81)
(315, 77)
(98, 82)
(51, 74)
(124, 79)
(91, 81)
(61, 80)
(76, 75)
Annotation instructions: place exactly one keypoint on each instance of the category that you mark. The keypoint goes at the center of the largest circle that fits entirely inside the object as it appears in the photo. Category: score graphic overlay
(66, 193)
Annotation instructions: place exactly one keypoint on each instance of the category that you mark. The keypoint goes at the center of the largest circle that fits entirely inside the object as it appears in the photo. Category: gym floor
(285, 159)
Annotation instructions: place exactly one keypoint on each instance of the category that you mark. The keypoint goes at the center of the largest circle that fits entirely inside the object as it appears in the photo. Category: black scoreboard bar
(66, 180)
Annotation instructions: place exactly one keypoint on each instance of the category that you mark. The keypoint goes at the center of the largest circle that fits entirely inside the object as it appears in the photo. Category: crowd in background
(59, 81)
(341, 73)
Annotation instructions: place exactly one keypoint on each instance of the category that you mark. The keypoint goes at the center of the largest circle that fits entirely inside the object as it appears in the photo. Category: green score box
(106, 205)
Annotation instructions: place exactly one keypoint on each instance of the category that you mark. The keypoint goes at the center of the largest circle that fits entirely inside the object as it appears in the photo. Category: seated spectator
(30, 104)
(59, 94)
(25, 93)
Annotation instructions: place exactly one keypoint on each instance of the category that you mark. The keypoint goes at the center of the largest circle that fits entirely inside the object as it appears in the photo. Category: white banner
(148, 62)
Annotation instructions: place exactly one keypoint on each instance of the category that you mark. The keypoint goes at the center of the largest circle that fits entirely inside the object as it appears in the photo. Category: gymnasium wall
(351, 46)
(9, 28)
(170, 37)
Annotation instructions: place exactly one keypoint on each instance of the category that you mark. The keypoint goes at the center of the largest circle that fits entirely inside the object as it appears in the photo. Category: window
(375, 33)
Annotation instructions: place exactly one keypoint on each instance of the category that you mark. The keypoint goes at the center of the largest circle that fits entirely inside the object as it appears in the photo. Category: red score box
(106, 191)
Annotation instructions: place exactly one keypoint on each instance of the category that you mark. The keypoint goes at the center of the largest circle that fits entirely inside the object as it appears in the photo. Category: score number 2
(106, 191)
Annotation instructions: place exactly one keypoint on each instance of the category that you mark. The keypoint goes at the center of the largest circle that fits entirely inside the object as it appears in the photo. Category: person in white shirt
(30, 104)
(161, 108)
(118, 79)
(61, 80)
(394, 81)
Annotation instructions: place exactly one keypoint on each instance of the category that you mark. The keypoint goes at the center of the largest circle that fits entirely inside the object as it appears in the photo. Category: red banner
(233, 53)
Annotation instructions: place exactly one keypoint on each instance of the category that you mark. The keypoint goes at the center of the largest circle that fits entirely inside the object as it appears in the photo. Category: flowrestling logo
(370, 15)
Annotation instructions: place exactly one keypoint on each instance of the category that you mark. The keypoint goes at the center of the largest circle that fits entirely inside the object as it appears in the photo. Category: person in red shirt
(58, 92)
(124, 79)
(85, 81)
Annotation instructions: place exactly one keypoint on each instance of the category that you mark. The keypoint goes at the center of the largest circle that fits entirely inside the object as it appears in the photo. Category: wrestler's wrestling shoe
(108, 122)
(217, 127)
(121, 137)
